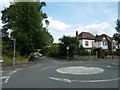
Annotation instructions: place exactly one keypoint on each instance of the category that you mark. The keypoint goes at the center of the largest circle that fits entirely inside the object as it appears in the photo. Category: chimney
(76, 33)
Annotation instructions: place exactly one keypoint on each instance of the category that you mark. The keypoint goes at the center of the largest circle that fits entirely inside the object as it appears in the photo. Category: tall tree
(25, 21)
(116, 36)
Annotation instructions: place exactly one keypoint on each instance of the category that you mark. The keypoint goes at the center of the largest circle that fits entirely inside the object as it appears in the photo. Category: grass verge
(18, 58)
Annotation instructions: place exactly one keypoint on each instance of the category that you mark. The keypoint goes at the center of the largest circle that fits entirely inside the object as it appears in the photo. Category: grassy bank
(18, 58)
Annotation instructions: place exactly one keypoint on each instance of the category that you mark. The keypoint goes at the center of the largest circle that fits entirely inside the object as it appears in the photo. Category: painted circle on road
(80, 70)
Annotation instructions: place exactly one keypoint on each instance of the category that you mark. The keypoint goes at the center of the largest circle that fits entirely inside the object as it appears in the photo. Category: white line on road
(14, 71)
(44, 68)
(61, 79)
(7, 79)
(3, 77)
(87, 81)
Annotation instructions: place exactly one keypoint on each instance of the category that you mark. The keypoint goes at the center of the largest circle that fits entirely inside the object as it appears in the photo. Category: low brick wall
(11, 63)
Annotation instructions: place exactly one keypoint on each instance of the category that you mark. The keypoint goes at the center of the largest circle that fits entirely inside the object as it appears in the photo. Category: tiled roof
(86, 35)
(100, 37)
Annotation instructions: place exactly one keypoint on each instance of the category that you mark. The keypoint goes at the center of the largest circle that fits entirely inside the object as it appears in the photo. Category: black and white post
(67, 52)
(14, 44)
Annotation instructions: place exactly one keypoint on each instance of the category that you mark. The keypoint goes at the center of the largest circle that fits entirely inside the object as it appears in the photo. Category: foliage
(25, 21)
(53, 50)
(100, 52)
(117, 52)
(116, 36)
(10, 59)
(82, 51)
(71, 42)
(73, 48)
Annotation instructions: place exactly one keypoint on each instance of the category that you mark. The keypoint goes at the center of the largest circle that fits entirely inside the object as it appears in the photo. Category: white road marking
(43, 68)
(14, 71)
(84, 81)
(108, 66)
(61, 79)
(3, 77)
(106, 80)
(46, 68)
(7, 79)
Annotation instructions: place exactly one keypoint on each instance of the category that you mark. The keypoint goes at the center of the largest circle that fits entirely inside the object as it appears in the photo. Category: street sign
(14, 42)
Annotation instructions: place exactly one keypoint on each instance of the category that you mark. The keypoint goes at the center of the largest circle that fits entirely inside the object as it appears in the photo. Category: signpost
(14, 44)
(67, 52)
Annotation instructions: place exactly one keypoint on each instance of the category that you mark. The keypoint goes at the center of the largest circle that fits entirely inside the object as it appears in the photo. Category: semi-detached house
(89, 41)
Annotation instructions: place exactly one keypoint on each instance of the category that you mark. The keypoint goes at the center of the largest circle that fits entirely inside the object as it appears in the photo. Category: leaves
(25, 21)
(116, 36)
(71, 42)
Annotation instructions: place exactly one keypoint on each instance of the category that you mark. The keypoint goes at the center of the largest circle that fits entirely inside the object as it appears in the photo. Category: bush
(117, 52)
(73, 49)
(82, 51)
(52, 50)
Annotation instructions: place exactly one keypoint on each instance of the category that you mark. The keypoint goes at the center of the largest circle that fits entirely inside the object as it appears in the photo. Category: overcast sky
(67, 17)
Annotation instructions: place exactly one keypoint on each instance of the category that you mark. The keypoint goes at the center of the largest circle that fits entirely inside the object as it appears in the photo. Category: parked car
(37, 54)
(34, 55)
(1, 61)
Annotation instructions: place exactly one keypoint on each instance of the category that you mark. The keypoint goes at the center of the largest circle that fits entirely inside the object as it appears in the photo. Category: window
(104, 43)
(86, 43)
(92, 43)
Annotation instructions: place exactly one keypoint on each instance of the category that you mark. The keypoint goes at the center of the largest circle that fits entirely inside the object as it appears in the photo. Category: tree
(25, 21)
(116, 36)
(71, 42)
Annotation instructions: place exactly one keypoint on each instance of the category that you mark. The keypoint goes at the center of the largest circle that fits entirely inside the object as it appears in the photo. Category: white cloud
(95, 28)
(57, 28)
(57, 25)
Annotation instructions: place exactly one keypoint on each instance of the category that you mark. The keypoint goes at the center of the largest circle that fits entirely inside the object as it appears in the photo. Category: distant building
(89, 41)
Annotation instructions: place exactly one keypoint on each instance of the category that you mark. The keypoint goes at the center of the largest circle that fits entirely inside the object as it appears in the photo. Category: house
(86, 40)
(89, 41)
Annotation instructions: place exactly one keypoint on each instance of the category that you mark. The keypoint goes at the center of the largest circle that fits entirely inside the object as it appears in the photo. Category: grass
(18, 58)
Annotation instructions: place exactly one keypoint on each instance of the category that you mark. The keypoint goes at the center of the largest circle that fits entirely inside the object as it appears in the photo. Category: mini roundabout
(83, 73)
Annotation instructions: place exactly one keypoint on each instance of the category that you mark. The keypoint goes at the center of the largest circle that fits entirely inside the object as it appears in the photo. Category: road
(52, 73)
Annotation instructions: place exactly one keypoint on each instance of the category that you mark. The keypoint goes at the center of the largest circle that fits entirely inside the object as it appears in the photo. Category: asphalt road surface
(49, 72)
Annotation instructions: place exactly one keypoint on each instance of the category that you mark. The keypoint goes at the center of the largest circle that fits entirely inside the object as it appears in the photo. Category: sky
(68, 17)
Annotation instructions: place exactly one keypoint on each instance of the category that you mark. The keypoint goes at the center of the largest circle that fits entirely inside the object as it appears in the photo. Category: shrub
(82, 51)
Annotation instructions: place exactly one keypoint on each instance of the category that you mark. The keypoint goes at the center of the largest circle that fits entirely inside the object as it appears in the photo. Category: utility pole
(14, 44)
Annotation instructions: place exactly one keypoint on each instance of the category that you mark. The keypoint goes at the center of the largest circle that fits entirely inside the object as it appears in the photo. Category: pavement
(47, 72)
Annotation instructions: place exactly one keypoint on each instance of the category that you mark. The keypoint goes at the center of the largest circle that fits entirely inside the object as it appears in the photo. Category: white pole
(14, 43)
(67, 53)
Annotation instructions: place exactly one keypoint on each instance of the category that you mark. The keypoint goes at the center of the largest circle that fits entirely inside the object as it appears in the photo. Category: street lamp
(67, 52)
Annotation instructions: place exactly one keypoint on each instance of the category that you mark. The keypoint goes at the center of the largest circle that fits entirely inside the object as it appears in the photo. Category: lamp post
(67, 52)
(14, 44)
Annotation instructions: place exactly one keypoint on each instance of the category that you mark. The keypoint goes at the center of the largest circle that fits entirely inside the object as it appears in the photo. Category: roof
(86, 35)
(100, 37)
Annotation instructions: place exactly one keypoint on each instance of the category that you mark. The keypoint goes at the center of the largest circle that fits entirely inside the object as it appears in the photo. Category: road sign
(14, 42)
